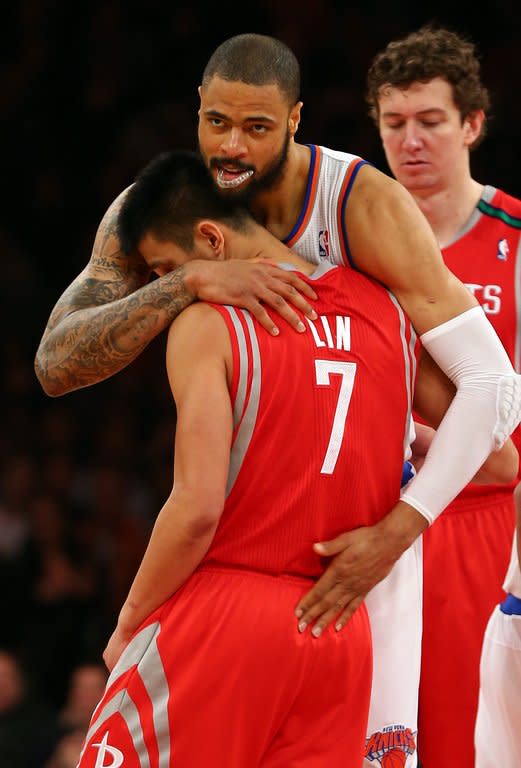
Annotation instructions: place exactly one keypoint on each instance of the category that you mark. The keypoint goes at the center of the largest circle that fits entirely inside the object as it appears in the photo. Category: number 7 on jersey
(323, 369)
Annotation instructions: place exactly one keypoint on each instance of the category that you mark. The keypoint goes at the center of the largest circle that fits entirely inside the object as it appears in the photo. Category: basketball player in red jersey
(426, 95)
(275, 448)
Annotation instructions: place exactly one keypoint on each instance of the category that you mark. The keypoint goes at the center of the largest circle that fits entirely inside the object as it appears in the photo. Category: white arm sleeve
(485, 410)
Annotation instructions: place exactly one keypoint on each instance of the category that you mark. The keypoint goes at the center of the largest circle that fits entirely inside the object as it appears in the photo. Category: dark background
(91, 91)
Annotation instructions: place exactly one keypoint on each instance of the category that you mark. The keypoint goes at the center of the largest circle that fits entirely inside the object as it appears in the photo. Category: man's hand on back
(253, 286)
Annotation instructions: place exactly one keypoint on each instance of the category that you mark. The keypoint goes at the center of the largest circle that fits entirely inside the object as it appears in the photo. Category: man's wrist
(402, 526)
(193, 276)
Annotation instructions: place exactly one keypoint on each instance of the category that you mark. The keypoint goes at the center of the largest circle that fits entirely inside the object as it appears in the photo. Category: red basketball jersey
(321, 423)
(486, 256)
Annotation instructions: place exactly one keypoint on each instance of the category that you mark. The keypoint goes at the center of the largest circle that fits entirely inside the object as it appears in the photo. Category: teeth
(237, 181)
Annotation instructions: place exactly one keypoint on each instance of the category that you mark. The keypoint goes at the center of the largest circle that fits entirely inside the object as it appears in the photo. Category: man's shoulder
(358, 177)
(198, 332)
(199, 314)
(197, 321)
(508, 203)
(339, 155)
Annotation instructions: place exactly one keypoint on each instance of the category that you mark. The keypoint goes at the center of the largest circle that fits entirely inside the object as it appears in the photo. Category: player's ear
(294, 118)
(210, 237)
(472, 126)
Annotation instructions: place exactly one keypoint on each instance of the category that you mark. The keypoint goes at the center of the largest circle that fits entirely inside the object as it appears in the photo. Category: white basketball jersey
(320, 234)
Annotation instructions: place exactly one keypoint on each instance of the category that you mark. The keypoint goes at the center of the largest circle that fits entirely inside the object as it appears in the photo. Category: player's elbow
(203, 521)
(201, 525)
(204, 508)
(52, 386)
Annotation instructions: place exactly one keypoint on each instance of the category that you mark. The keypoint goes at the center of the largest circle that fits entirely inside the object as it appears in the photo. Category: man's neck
(260, 245)
(448, 210)
(278, 208)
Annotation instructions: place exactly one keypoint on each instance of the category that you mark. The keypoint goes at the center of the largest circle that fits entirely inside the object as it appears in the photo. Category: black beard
(269, 179)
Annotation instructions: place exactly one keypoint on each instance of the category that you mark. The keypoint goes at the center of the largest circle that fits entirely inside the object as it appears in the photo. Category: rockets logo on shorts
(391, 746)
(323, 244)
(105, 750)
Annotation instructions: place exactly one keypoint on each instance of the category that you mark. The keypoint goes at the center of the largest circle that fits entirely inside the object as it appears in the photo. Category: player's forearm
(91, 344)
(180, 539)
(501, 466)
(484, 412)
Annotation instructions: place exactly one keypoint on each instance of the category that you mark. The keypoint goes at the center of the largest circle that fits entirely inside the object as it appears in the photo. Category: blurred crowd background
(89, 92)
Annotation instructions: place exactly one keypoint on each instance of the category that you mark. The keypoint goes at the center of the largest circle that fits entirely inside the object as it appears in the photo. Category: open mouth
(229, 179)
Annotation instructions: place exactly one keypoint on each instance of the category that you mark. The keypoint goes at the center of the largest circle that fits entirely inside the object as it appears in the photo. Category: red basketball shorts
(219, 676)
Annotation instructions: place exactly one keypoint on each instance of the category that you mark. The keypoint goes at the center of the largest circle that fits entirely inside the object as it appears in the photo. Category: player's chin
(415, 170)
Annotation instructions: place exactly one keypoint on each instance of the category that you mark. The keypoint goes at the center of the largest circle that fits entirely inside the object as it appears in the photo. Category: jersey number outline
(323, 368)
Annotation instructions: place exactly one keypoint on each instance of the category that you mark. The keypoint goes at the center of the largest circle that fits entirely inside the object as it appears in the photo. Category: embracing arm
(391, 240)
(433, 395)
(363, 557)
(110, 312)
(107, 316)
(198, 356)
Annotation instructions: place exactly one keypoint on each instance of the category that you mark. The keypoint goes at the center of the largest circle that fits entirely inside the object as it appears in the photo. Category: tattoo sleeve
(107, 316)
(90, 344)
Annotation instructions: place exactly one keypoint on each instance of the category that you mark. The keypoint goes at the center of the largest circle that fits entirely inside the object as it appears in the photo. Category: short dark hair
(423, 55)
(169, 196)
(256, 60)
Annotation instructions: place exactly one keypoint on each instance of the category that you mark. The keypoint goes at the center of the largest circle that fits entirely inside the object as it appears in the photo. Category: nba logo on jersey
(323, 244)
(502, 249)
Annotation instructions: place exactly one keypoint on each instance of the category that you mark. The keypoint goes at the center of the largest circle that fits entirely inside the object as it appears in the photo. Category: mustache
(236, 165)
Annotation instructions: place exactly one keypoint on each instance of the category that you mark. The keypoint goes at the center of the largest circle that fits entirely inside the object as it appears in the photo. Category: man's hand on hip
(360, 559)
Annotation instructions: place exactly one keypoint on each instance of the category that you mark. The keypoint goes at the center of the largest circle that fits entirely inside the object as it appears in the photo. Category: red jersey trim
(246, 384)
(242, 372)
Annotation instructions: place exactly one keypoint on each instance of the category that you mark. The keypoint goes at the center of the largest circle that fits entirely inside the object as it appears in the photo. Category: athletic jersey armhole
(240, 327)
(347, 185)
(309, 198)
(226, 313)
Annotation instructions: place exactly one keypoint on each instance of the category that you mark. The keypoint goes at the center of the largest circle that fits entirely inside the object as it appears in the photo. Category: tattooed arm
(111, 311)
(107, 316)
